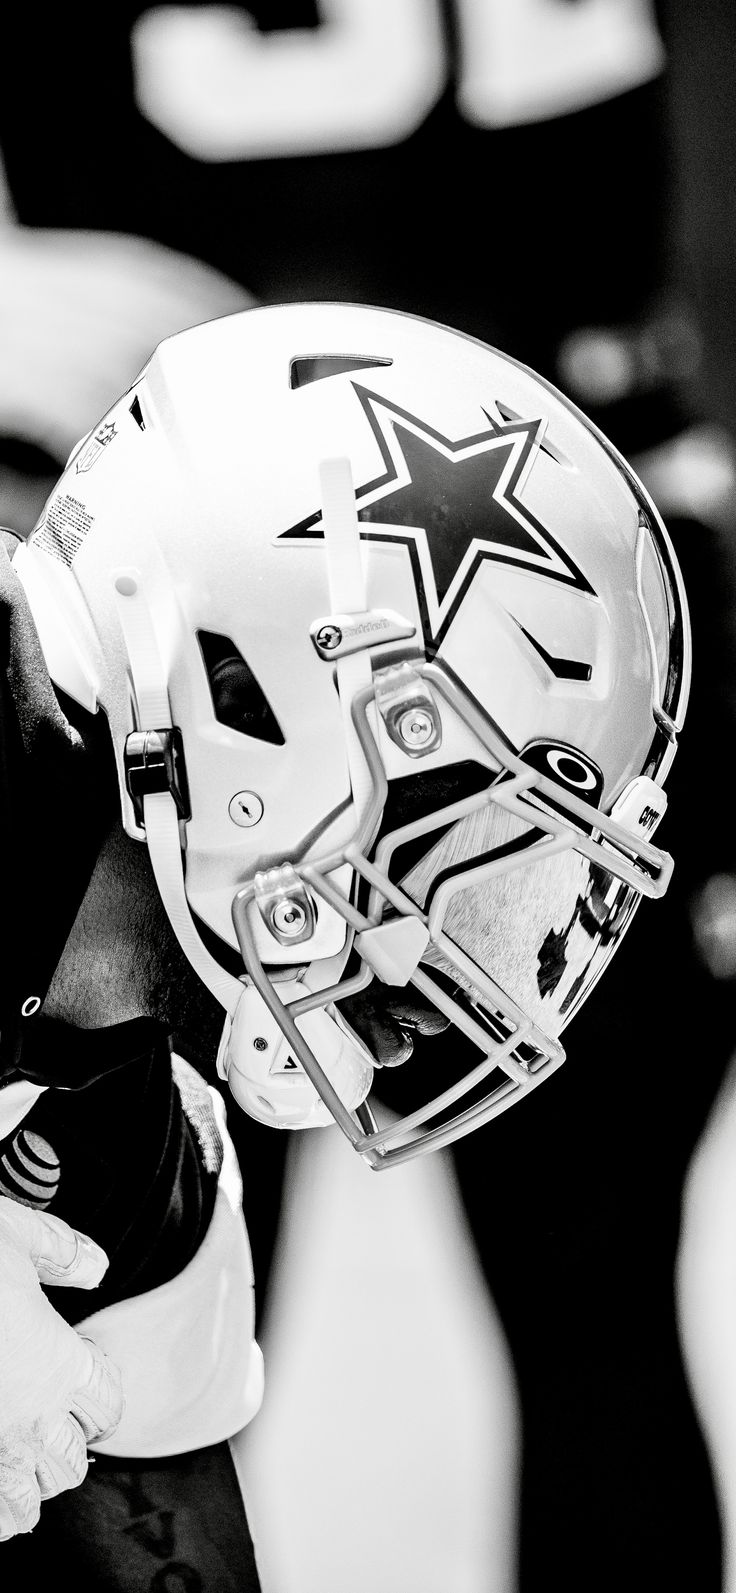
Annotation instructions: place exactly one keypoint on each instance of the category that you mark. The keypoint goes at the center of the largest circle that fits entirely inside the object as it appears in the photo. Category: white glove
(58, 1390)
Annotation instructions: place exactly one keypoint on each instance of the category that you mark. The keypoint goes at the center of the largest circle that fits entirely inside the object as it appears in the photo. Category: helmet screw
(259, 1044)
(329, 637)
(288, 917)
(245, 809)
(416, 727)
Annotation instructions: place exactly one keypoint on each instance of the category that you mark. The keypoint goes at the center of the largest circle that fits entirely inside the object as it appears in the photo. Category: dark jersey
(116, 1147)
(131, 1159)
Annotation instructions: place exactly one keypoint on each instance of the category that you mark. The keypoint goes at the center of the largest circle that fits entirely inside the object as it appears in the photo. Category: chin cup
(268, 1079)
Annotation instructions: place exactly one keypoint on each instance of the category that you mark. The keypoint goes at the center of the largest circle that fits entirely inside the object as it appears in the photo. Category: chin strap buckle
(154, 761)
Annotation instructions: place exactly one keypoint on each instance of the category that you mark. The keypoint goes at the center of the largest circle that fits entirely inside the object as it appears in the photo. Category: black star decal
(453, 503)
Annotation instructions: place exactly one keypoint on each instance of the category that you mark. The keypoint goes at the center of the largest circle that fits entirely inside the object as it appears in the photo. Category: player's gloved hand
(58, 1390)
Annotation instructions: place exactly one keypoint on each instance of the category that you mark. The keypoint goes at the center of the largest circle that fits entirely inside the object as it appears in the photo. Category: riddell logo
(358, 631)
(330, 637)
(367, 625)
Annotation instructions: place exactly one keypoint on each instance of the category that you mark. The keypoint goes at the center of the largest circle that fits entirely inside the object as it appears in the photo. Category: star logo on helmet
(454, 503)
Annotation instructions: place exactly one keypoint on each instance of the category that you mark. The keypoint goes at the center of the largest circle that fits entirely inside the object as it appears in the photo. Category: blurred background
(703, 128)
(510, 1368)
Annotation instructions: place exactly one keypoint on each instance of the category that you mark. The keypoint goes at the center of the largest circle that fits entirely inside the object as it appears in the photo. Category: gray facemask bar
(629, 858)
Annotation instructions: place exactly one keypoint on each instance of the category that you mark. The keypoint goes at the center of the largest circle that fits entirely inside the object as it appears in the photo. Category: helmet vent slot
(546, 446)
(137, 413)
(237, 698)
(315, 367)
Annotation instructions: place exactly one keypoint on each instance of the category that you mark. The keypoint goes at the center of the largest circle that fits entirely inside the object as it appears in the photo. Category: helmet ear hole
(237, 698)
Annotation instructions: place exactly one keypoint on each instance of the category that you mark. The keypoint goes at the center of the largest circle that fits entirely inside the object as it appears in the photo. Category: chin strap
(279, 1091)
(347, 596)
(353, 672)
(161, 817)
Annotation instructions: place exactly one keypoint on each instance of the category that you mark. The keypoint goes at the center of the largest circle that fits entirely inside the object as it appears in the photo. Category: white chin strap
(347, 586)
(161, 819)
(266, 1080)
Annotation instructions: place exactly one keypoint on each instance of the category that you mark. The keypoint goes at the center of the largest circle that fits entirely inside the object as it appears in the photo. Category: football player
(98, 1124)
(285, 724)
(436, 157)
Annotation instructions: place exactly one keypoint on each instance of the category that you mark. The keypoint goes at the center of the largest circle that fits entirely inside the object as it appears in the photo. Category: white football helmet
(394, 651)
